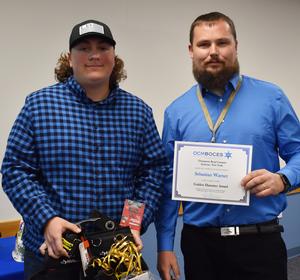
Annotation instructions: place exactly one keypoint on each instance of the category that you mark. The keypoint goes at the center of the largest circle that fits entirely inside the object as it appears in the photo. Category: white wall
(152, 38)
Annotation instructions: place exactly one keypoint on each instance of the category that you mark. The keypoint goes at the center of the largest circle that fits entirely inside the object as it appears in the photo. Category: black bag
(100, 233)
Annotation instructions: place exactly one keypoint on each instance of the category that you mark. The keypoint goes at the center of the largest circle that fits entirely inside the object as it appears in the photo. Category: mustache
(215, 80)
(214, 60)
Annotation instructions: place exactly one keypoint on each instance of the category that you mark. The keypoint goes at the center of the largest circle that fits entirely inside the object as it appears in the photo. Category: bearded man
(228, 240)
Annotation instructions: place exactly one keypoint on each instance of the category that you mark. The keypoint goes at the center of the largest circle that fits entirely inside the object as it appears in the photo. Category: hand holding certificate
(211, 172)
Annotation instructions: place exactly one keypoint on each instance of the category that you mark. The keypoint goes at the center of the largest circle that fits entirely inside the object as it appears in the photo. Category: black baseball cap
(90, 28)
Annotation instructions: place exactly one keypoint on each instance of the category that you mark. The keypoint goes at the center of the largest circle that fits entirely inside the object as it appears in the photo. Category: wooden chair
(9, 227)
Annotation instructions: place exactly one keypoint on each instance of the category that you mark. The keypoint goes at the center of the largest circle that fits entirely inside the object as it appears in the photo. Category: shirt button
(220, 99)
(224, 141)
(227, 210)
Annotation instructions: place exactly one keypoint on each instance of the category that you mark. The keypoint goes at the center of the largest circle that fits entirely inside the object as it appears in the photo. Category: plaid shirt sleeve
(149, 180)
(20, 174)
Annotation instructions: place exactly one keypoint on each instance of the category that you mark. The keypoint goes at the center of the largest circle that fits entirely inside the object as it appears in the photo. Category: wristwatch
(286, 182)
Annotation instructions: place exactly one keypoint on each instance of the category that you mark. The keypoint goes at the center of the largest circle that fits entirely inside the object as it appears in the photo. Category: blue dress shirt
(261, 116)
(67, 156)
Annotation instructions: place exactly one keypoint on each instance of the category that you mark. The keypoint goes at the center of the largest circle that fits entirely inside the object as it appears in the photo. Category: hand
(53, 237)
(167, 265)
(137, 239)
(263, 183)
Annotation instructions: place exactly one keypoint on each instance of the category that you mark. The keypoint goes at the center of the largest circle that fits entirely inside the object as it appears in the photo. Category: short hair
(213, 16)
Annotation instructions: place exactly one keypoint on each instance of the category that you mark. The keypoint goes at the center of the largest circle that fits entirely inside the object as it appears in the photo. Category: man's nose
(214, 50)
(94, 54)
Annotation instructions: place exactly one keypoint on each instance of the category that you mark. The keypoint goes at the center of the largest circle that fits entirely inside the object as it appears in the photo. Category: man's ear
(191, 51)
(70, 60)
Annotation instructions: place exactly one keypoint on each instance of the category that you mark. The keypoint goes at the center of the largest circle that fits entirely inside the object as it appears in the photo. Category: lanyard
(214, 128)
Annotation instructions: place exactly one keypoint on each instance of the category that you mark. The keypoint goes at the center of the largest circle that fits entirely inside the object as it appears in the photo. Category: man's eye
(104, 47)
(203, 45)
(223, 43)
(83, 48)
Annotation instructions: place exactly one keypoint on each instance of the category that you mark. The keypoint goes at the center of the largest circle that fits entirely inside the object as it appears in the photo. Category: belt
(260, 228)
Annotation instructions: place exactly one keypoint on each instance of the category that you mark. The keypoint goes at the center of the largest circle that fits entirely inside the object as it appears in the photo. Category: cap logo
(91, 27)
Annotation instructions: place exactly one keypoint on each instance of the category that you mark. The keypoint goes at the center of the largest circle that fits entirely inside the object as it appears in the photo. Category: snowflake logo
(228, 155)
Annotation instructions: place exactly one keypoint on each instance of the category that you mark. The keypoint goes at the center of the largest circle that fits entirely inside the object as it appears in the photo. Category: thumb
(137, 239)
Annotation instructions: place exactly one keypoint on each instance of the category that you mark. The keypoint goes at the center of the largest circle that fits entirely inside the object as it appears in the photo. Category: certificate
(211, 172)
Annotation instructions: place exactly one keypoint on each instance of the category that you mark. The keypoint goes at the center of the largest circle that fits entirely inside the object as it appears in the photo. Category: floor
(294, 268)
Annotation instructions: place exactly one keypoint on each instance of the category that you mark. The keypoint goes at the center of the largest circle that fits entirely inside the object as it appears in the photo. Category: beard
(216, 80)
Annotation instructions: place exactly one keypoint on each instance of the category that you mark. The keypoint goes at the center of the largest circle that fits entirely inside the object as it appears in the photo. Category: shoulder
(262, 87)
(183, 101)
(130, 100)
(46, 93)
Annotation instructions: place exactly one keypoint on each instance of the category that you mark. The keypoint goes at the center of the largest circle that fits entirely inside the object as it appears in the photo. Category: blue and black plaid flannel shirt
(67, 156)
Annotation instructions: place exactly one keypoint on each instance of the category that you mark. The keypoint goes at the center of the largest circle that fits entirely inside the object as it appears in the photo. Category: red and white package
(132, 215)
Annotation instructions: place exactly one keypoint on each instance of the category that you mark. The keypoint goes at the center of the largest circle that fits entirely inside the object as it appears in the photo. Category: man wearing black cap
(81, 145)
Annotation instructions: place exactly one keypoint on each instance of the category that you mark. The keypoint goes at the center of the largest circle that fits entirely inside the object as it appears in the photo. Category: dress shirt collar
(232, 84)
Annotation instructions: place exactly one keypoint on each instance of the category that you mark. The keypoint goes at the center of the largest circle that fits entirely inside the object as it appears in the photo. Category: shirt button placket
(97, 146)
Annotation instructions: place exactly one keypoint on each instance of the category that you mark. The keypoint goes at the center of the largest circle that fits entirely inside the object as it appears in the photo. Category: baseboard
(293, 252)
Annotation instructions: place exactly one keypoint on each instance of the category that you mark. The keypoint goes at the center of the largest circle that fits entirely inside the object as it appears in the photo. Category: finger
(262, 190)
(256, 182)
(246, 179)
(51, 252)
(249, 180)
(264, 193)
(139, 243)
(58, 248)
(258, 188)
(166, 272)
(137, 239)
(72, 227)
(176, 272)
(43, 248)
(55, 247)
(252, 175)
(165, 275)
